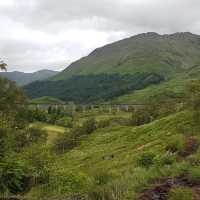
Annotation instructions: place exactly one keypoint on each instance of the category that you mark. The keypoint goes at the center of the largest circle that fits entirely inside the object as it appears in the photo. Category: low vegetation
(99, 152)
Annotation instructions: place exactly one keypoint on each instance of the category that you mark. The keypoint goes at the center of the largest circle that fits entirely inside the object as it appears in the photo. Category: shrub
(27, 137)
(140, 117)
(166, 159)
(176, 145)
(65, 141)
(146, 159)
(68, 183)
(4, 142)
(103, 123)
(88, 126)
(102, 177)
(64, 121)
(194, 175)
(39, 160)
(180, 193)
(11, 176)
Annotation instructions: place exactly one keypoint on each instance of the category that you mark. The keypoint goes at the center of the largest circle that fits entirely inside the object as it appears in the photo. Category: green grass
(46, 100)
(180, 193)
(52, 130)
(109, 158)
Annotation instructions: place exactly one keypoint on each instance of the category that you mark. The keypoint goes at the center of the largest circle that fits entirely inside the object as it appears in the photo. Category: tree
(3, 66)
(194, 95)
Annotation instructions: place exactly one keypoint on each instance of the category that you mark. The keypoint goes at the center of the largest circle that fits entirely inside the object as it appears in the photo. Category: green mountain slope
(175, 56)
(107, 161)
(150, 52)
(25, 78)
(46, 100)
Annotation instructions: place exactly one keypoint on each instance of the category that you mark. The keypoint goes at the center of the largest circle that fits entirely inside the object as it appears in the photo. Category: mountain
(141, 60)
(22, 78)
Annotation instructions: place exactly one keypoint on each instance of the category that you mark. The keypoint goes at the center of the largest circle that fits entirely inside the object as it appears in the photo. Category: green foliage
(68, 183)
(92, 88)
(27, 137)
(4, 142)
(194, 175)
(64, 121)
(39, 160)
(88, 126)
(12, 174)
(165, 159)
(69, 140)
(103, 123)
(176, 144)
(11, 97)
(3, 66)
(65, 141)
(146, 159)
(180, 193)
(102, 177)
(140, 117)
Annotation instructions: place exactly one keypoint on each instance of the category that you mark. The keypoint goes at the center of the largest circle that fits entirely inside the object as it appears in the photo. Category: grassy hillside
(174, 88)
(46, 100)
(107, 160)
(103, 153)
(150, 52)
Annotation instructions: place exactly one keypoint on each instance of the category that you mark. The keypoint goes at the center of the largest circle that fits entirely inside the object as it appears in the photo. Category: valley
(119, 124)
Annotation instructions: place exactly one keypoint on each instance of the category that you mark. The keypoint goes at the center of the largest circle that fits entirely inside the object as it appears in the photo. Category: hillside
(22, 78)
(126, 161)
(163, 56)
(46, 100)
(100, 152)
(147, 52)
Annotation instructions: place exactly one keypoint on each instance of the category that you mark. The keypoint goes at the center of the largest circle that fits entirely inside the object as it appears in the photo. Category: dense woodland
(92, 88)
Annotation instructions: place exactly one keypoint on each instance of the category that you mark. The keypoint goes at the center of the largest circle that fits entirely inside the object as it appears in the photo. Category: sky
(50, 34)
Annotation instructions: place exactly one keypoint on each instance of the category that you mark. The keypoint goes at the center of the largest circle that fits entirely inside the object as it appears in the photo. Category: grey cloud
(47, 33)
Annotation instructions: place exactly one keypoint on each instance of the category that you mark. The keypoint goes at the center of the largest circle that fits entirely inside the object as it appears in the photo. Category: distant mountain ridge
(22, 78)
(146, 58)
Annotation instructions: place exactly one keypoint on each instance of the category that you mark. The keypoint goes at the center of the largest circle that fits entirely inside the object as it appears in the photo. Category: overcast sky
(38, 34)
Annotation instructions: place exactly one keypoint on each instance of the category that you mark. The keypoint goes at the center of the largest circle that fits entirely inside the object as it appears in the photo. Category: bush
(140, 117)
(64, 121)
(89, 126)
(166, 159)
(11, 176)
(69, 183)
(180, 193)
(4, 142)
(65, 141)
(103, 123)
(176, 145)
(102, 177)
(27, 137)
(146, 159)
(39, 160)
(194, 175)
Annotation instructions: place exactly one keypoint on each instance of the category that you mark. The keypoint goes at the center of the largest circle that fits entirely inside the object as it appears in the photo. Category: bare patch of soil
(160, 189)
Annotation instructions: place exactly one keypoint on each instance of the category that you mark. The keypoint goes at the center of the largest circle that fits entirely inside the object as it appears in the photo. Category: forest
(92, 88)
